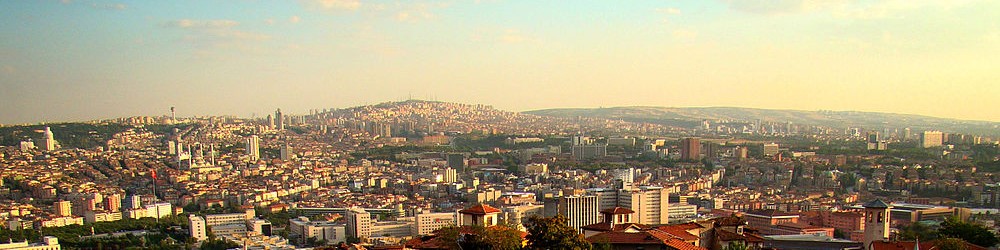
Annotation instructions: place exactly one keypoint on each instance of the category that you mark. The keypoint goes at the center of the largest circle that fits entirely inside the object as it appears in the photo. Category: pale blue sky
(90, 59)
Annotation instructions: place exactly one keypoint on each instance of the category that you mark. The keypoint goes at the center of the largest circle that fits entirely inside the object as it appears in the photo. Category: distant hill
(689, 117)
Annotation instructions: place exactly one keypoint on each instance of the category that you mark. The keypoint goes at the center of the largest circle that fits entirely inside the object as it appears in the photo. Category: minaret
(876, 222)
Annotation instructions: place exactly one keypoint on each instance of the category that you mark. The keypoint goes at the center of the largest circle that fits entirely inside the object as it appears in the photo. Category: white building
(197, 229)
(579, 210)
(426, 223)
(359, 223)
(48, 140)
(48, 243)
(300, 229)
(253, 147)
(649, 203)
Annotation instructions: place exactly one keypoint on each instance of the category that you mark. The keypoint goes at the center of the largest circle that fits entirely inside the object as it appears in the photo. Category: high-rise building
(426, 223)
(270, 122)
(63, 208)
(134, 202)
(690, 149)
(651, 204)
(770, 149)
(253, 147)
(450, 175)
(280, 119)
(197, 228)
(875, 142)
(877, 216)
(589, 151)
(286, 152)
(930, 139)
(456, 161)
(359, 223)
(579, 211)
(48, 140)
(113, 203)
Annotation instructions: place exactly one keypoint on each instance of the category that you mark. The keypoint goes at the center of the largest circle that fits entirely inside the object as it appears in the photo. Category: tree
(973, 233)
(916, 231)
(500, 237)
(951, 244)
(553, 233)
(736, 245)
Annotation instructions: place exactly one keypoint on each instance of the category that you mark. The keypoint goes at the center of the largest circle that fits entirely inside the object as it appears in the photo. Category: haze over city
(76, 60)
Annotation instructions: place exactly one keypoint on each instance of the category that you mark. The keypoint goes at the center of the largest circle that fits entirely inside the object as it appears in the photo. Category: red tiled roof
(604, 227)
(651, 237)
(617, 210)
(770, 213)
(678, 232)
(481, 209)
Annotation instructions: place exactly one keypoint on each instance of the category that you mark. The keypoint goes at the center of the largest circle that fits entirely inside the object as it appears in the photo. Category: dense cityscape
(436, 175)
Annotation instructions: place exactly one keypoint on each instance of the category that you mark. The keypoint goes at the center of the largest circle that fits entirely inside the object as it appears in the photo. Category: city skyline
(85, 60)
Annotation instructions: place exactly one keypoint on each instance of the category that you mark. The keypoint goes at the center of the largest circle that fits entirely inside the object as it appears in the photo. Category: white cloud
(269, 21)
(514, 36)
(669, 11)
(683, 33)
(414, 12)
(294, 19)
(194, 24)
(335, 4)
(109, 6)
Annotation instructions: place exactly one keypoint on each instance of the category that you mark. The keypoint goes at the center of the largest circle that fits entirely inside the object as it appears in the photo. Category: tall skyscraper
(270, 122)
(930, 139)
(48, 140)
(579, 210)
(691, 149)
(253, 147)
(280, 119)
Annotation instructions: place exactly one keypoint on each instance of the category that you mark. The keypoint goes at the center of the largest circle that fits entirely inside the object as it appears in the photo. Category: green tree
(553, 233)
(973, 233)
(500, 237)
(917, 231)
(736, 245)
(951, 244)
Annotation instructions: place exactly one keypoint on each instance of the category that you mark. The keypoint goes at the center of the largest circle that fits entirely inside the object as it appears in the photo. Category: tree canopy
(553, 233)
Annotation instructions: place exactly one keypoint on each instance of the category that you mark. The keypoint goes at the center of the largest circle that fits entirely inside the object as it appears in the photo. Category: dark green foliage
(500, 237)
(69, 135)
(951, 244)
(553, 233)
(973, 233)
(916, 231)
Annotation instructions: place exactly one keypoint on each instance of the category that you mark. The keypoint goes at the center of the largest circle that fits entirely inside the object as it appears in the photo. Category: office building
(253, 147)
(63, 208)
(286, 152)
(301, 229)
(48, 243)
(279, 119)
(929, 139)
(690, 149)
(450, 175)
(770, 149)
(425, 223)
(359, 223)
(197, 228)
(579, 211)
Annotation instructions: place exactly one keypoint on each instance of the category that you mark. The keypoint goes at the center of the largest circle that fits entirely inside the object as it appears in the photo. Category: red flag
(153, 173)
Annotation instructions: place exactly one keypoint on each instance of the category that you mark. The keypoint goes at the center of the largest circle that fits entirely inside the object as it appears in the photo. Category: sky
(77, 60)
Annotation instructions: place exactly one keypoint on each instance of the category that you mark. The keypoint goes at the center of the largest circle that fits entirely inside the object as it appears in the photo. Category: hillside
(689, 117)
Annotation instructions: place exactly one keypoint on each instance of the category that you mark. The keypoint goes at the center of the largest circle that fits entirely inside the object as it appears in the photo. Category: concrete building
(197, 228)
(479, 215)
(63, 208)
(48, 142)
(690, 149)
(301, 229)
(426, 223)
(649, 203)
(48, 243)
(359, 223)
(253, 147)
(929, 139)
(579, 210)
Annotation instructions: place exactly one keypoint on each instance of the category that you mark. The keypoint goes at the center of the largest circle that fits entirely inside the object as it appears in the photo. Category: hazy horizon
(79, 60)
